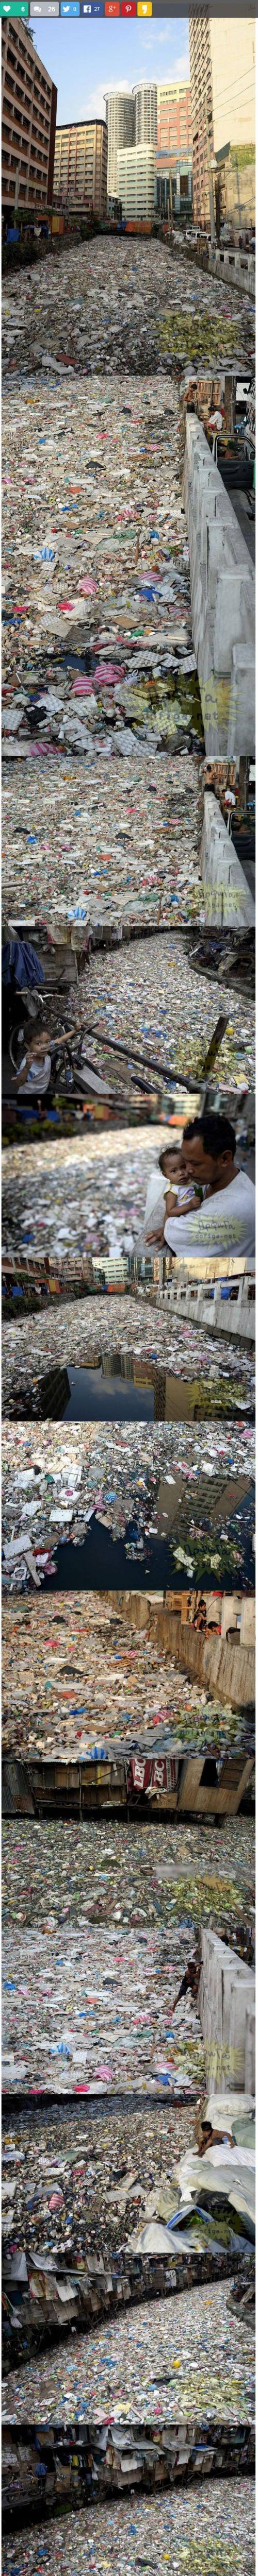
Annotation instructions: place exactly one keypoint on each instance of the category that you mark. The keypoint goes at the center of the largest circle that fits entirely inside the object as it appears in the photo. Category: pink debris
(105, 671)
(82, 688)
(57, 2201)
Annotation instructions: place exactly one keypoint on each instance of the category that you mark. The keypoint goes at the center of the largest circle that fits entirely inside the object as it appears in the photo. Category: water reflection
(125, 1387)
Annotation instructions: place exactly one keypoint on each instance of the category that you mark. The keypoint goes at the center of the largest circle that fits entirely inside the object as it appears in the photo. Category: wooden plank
(229, 1795)
(189, 1787)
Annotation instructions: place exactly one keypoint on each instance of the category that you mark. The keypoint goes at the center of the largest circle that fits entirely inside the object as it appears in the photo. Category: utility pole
(243, 783)
(212, 216)
(230, 404)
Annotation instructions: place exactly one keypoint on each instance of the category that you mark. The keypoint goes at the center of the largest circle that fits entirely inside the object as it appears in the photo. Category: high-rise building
(120, 120)
(29, 104)
(145, 96)
(80, 171)
(222, 74)
(136, 182)
(174, 148)
(174, 118)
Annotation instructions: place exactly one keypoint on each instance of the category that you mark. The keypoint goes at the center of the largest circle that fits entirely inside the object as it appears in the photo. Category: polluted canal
(83, 1509)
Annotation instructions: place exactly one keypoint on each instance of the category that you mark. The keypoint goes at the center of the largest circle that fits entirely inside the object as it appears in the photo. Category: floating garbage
(188, 2531)
(82, 1680)
(138, 1343)
(150, 2364)
(108, 2022)
(150, 1486)
(134, 856)
(127, 307)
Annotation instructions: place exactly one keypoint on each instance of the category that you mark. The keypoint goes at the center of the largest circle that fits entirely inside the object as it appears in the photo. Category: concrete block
(212, 512)
(233, 602)
(241, 721)
(236, 265)
(226, 2004)
(222, 599)
(227, 894)
(250, 2050)
(243, 2002)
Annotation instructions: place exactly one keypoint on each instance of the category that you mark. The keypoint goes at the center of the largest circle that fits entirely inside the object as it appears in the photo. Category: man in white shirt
(224, 1224)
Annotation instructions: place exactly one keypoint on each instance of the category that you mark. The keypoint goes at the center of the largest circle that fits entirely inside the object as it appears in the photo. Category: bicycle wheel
(17, 1045)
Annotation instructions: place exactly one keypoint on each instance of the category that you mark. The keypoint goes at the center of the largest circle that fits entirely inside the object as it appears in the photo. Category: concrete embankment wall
(222, 602)
(227, 896)
(226, 2004)
(236, 265)
(228, 1671)
(222, 1315)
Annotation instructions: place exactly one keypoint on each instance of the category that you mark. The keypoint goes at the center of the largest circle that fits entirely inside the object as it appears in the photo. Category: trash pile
(87, 1195)
(150, 996)
(75, 1335)
(81, 1680)
(63, 2274)
(69, 2191)
(138, 1486)
(191, 2531)
(228, 2170)
(114, 2028)
(132, 1879)
(82, 1195)
(134, 856)
(121, 307)
(129, 1915)
(143, 1015)
(147, 2364)
(180, 2248)
(110, 647)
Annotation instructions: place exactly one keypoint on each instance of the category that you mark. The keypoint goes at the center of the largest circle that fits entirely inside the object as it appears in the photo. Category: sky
(72, 54)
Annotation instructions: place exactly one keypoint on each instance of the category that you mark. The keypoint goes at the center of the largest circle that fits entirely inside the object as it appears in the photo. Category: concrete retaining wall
(228, 1671)
(207, 1305)
(237, 265)
(226, 2004)
(227, 896)
(222, 601)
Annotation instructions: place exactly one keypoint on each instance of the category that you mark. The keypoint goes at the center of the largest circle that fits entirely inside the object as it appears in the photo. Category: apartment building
(80, 167)
(174, 119)
(136, 182)
(222, 75)
(29, 105)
